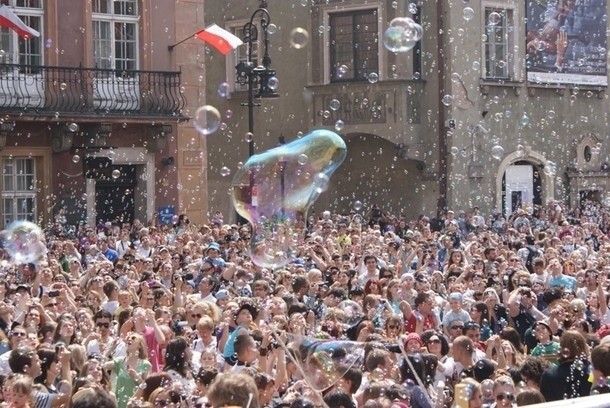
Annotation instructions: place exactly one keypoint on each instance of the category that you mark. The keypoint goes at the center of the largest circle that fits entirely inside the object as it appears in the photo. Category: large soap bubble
(324, 363)
(402, 34)
(273, 191)
(23, 240)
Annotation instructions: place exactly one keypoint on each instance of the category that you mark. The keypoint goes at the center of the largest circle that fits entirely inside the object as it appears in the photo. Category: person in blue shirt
(109, 253)
(558, 279)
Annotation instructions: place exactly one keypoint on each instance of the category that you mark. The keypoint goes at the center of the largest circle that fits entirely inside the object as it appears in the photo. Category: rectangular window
(354, 46)
(115, 34)
(240, 54)
(23, 51)
(18, 189)
(498, 43)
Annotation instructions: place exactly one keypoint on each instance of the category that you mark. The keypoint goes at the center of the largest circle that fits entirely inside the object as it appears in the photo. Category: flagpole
(170, 48)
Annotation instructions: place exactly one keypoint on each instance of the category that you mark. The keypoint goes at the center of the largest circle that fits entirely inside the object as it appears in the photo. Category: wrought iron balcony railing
(85, 91)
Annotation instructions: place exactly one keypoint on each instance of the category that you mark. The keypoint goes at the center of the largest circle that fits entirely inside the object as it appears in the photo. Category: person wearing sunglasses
(504, 392)
(100, 341)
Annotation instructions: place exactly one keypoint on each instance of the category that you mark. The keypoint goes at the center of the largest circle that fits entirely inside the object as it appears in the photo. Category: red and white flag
(222, 40)
(10, 20)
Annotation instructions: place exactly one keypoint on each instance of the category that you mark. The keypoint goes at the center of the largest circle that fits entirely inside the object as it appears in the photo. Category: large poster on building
(566, 41)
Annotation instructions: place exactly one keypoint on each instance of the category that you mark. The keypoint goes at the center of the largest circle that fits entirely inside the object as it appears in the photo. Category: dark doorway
(114, 194)
(588, 197)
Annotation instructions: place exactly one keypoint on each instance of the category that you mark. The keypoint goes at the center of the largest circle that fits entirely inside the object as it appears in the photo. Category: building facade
(92, 111)
(501, 105)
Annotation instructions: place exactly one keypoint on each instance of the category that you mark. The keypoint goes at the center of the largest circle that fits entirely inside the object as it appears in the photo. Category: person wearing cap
(214, 257)
(222, 298)
(413, 343)
(546, 347)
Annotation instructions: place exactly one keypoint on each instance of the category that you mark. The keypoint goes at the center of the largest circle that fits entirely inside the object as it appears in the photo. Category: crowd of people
(374, 311)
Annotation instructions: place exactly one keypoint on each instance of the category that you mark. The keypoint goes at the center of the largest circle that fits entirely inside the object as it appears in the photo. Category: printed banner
(566, 42)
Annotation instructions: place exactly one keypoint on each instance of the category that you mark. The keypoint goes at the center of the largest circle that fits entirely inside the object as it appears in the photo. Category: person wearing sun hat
(213, 256)
(546, 348)
(413, 343)
(243, 318)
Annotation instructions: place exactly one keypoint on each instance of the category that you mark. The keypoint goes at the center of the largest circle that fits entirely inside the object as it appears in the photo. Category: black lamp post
(253, 76)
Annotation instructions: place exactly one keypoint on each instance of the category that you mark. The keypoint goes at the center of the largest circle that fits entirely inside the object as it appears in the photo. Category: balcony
(51, 91)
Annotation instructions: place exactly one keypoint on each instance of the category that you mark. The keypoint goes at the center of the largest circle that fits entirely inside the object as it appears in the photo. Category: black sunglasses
(105, 325)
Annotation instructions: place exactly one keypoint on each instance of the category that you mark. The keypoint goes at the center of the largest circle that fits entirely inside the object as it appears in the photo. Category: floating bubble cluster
(23, 242)
(402, 34)
(273, 191)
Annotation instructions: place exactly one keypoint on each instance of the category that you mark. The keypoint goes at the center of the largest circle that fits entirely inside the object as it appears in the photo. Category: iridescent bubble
(303, 159)
(272, 29)
(476, 65)
(468, 13)
(525, 120)
(73, 127)
(455, 77)
(228, 114)
(63, 86)
(272, 193)
(447, 100)
(206, 120)
(551, 114)
(334, 104)
(111, 155)
(84, 197)
(273, 83)
(494, 18)
(402, 34)
(373, 77)
(341, 70)
(248, 137)
(357, 205)
(299, 37)
(116, 173)
(497, 152)
(454, 151)
(225, 171)
(75, 158)
(394, 4)
(223, 89)
(23, 240)
(325, 362)
(339, 125)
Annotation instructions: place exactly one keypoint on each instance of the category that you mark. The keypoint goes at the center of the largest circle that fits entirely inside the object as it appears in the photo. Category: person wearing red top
(423, 317)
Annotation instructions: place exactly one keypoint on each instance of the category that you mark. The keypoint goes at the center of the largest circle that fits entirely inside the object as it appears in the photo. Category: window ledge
(573, 89)
(486, 83)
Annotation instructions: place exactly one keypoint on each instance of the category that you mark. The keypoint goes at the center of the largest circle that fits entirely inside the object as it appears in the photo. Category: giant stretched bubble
(273, 190)
(325, 362)
(402, 34)
(23, 240)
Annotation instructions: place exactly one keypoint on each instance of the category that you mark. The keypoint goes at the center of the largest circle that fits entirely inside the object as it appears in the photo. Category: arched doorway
(520, 181)
(377, 171)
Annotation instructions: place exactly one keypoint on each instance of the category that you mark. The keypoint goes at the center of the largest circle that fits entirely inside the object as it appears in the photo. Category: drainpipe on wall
(441, 205)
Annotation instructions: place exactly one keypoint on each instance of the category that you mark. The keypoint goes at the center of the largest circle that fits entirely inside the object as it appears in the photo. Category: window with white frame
(240, 54)
(16, 50)
(115, 34)
(354, 44)
(18, 189)
(499, 41)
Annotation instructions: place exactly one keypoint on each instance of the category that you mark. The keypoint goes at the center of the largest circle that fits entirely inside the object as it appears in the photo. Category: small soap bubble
(63, 86)
(447, 100)
(497, 152)
(468, 13)
(454, 151)
(394, 4)
(225, 171)
(23, 240)
(334, 104)
(402, 34)
(75, 158)
(413, 8)
(249, 137)
(299, 37)
(524, 120)
(302, 159)
(112, 155)
(206, 120)
(272, 29)
(341, 70)
(494, 18)
(320, 181)
(373, 77)
(273, 83)
(357, 205)
(339, 125)
(223, 89)
(116, 173)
